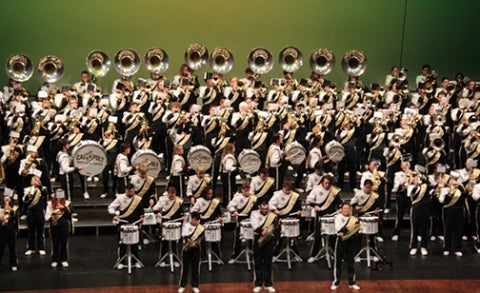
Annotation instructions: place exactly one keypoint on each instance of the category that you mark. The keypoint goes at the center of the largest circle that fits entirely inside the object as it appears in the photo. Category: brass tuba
(50, 68)
(260, 61)
(19, 67)
(221, 60)
(127, 62)
(196, 56)
(98, 63)
(354, 63)
(156, 60)
(322, 61)
(290, 59)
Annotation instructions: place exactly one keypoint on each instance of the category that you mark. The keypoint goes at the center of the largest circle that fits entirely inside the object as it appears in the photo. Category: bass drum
(249, 161)
(149, 158)
(199, 156)
(90, 156)
(335, 151)
(296, 152)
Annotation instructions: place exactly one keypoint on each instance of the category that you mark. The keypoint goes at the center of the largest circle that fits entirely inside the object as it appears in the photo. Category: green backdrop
(408, 33)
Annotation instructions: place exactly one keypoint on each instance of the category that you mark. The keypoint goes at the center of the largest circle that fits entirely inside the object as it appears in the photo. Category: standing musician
(192, 234)
(110, 144)
(418, 192)
(33, 165)
(177, 169)
(476, 198)
(35, 201)
(122, 167)
(275, 160)
(400, 183)
(127, 207)
(11, 156)
(240, 206)
(144, 185)
(8, 231)
(264, 224)
(346, 226)
(228, 170)
(243, 122)
(197, 183)
(346, 135)
(262, 185)
(218, 144)
(65, 161)
(59, 213)
(325, 199)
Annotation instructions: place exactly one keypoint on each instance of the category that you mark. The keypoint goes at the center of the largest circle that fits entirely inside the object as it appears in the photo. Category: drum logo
(89, 158)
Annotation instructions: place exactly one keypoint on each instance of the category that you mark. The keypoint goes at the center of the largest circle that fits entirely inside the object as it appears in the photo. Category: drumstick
(373, 212)
(331, 215)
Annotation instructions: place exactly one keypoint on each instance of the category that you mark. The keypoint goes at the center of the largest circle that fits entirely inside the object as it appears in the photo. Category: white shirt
(318, 195)
(193, 183)
(279, 200)
(229, 163)
(238, 202)
(275, 156)
(257, 219)
(178, 164)
(340, 221)
(201, 205)
(164, 204)
(123, 165)
(313, 180)
(119, 204)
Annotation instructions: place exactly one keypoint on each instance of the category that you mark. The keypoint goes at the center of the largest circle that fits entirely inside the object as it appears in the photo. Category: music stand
(128, 254)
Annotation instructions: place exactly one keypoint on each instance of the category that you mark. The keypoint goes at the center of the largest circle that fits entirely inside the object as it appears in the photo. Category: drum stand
(211, 253)
(149, 235)
(326, 251)
(171, 256)
(289, 253)
(368, 249)
(128, 255)
(247, 251)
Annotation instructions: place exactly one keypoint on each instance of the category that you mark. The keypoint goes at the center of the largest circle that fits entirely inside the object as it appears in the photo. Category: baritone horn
(260, 61)
(98, 63)
(19, 67)
(290, 59)
(438, 144)
(50, 68)
(322, 61)
(196, 56)
(127, 62)
(221, 60)
(354, 63)
(156, 60)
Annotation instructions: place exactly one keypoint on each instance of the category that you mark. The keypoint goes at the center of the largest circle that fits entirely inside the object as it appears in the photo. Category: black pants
(344, 251)
(106, 175)
(177, 182)
(121, 183)
(436, 227)
(237, 242)
(66, 182)
(262, 262)
(477, 223)
(59, 234)
(278, 174)
(419, 225)
(347, 164)
(229, 187)
(8, 236)
(36, 230)
(190, 261)
(403, 205)
(453, 219)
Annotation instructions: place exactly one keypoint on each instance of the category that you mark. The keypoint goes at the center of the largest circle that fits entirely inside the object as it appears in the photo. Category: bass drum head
(335, 151)
(90, 156)
(249, 161)
(199, 156)
(149, 158)
(296, 152)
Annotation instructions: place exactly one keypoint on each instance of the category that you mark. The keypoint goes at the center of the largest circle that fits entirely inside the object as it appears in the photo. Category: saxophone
(6, 216)
(56, 215)
(269, 235)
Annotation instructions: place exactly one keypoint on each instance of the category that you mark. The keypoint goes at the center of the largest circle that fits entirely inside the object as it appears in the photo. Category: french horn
(127, 62)
(260, 61)
(19, 67)
(156, 60)
(322, 61)
(50, 68)
(98, 63)
(196, 56)
(290, 59)
(221, 60)
(354, 63)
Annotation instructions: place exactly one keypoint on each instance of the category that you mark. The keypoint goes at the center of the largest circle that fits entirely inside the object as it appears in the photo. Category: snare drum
(213, 232)
(249, 161)
(91, 156)
(149, 158)
(369, 225)
(149, 219)
(171, 231)
(199, 156)
(290, 227)
(246, 230)
(129, 234)
(327, 225)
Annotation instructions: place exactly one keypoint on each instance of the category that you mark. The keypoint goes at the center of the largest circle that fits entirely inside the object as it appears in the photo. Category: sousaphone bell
(127, 62)
(19, 67)
(156, 60)
(221, 60)
(196, 56)
(50, 68)
(322, 61)
(290, 59)
(98, 63)
(260, 61)
(354, 63)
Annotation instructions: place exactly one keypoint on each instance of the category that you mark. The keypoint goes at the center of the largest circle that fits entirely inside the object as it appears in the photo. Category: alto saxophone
(56, 215)
(194, 244)
(269, 235)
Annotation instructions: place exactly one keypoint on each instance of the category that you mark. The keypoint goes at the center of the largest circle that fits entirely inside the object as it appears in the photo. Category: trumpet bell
(260, 61)
(156, 60)
(291, 59)
(221, 60)
(322, 61)
(196, 56)
(50, 68)
(98, 63)
(354, 63)
(19, 67)
(127, 62)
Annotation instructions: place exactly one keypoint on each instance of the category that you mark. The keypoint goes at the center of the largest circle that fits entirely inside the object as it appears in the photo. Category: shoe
(419, 238)
(29, 252)
(311, 259)
(238, 177)
(231, 261)
(300, 190)
(14, 269)
(96, 179)
(333, 287)
(379, 239)
(65, 264)
(474, 238)
(138, 265)
(196, 290)
(42, 252)
(441, 238)
(23, 217)
(89, 179)
(54, 264)
(176, 264)
(181, 290)
(424, 251)
(375, 259)
(386, 211)
(52, 179)
(146, 241)
(478, 250)
(354, 287)
(271, 289)
(120, 266)
(103, 195)
(413, 251)
(458, 253)
(464, 238)
(395, 238)
(86, 195)
(433, 238)
(162, 264)
(357, 259)
(446, 252)
(257, 289)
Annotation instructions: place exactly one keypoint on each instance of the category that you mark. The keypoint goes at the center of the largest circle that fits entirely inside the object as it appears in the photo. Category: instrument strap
(373, 197)
(174, 208)
(265, 187)
(131, 207)
(211, 208)
(289, 206)
(331, 196)
(421, 194)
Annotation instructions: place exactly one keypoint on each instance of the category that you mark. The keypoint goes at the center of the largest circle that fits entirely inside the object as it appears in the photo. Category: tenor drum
(335, 151)
(369, 225)
(290, 227)
(149, 219)
(129, 234)
(171, 231)
(213, 232)
(327, 226)
(91, 156)
(199, 156)
(149, 158)
(250, 161)
(296, 152)
(246, 230)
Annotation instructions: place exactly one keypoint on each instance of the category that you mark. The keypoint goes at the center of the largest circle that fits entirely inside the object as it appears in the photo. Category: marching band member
(235, 93)
(218, 144)
(67, 169)
(261, 185)
(122, 167)
(264, 225)
(81, 87)
(58, 213)
(418, 192)
(132, 119)
(243, 123)
(476, 198)
(314, 178)
(110, 144)
(210, 94)
(144, 186)
(259, 139)
(229, 171)
(275, 160)
(11, 156)
(8, 230)
(240, 206)
(35, 201)
(393, 75)
(197, 183)
(400, 184)
(347, 136)
(31, 166)
(177, 170)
